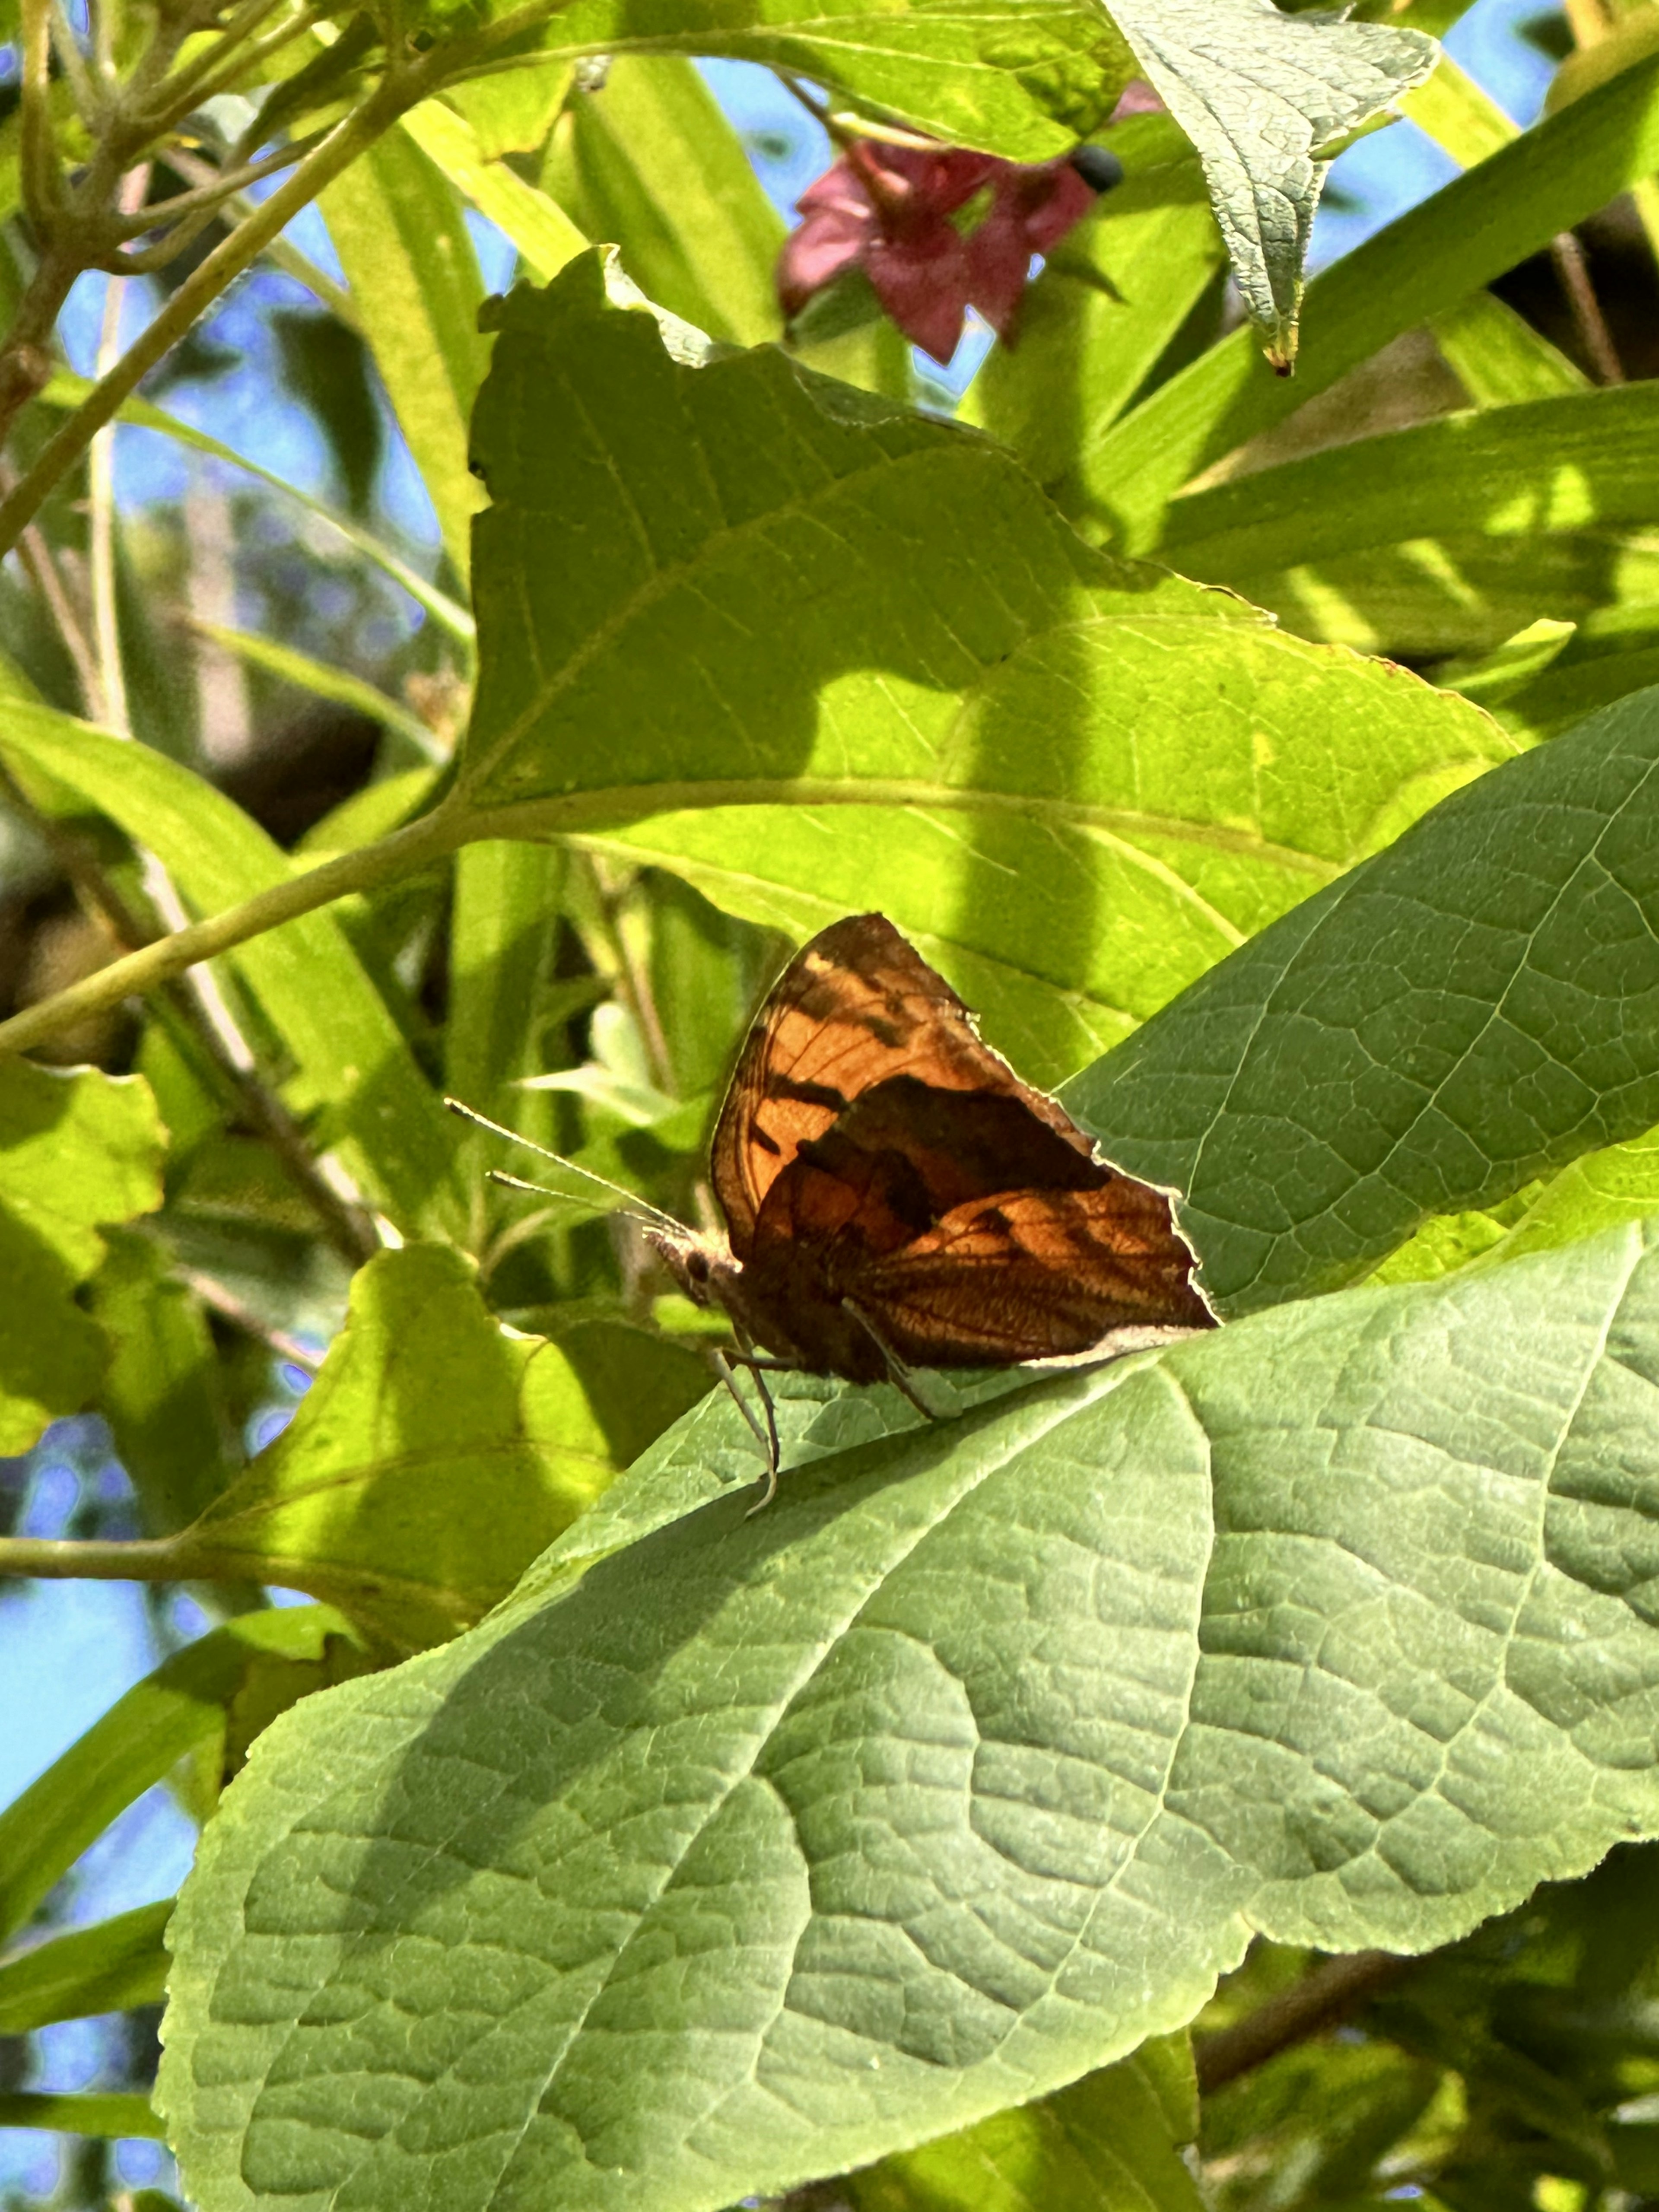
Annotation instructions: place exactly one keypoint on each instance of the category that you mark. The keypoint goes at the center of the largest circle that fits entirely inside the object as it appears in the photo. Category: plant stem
(430, 838)
(1325, 1995)
(351, 137)
(194, 1556)
(1573, 272)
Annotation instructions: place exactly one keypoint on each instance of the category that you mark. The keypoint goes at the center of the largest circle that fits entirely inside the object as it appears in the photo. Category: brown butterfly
(896, 1197)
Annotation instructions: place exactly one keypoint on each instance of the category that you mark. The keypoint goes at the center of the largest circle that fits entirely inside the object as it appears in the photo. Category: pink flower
(888, 209)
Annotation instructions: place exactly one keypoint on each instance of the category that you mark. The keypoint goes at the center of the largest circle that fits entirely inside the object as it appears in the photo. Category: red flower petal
(922, 284)
(829, 241)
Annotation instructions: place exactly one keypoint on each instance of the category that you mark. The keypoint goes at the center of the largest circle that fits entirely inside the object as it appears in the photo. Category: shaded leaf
(1430, 259)
(161, 1393)
(189, 1704)
(1447, 536)
(99, 2113)
(435, 1455)
(1109, 2143)
(77, 1148)
(106, 1968)
(1077, 782)
(396, 225)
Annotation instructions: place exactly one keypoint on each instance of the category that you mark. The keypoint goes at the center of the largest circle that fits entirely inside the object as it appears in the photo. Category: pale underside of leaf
(1259, 94)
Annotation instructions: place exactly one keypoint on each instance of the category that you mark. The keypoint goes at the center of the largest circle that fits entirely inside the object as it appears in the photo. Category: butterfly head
(705, 1270)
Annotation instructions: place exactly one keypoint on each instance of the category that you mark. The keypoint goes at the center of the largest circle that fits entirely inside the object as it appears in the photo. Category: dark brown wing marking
(855, 1006)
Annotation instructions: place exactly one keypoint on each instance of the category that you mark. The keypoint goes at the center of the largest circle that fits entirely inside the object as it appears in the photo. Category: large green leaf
(78, 1149)
(1447, 536)
(772, 1845)
(1024, 78)
(1429, 261)
(1262, 94)
(434, 1456)
(1475, 1007)
(394, 1134)
(1014, 710)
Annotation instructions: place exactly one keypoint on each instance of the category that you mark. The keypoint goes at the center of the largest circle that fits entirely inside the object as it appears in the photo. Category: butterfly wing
(856, 1007)
(1033, 1274)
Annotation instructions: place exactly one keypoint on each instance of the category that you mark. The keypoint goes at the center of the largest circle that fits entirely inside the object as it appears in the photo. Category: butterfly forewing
(854, 1008)
(893, 1190)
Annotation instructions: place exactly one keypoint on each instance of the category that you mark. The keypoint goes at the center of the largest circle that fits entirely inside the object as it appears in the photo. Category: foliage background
(1522, 2052)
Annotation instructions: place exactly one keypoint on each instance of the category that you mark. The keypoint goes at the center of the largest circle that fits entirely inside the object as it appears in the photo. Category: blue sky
(72, 1647)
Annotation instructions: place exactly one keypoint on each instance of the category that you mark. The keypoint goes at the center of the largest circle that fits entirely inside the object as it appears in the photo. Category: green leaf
(395, 1136)
(654, 164)
(1613, 651)
(434, 1456)
(1171, 772)
(1447, 536)
(1109, 2143)
(1497, 357)
(199, 1701)
(1620, 1184)
(161, 1394)
(1429, 261)
(1023, 78)
(397, 226)
(106, 1968)
(541, 230)
(1110, 299)
(322, 682)
(769, 1846)
(78, 1149)
(105, 2112)
(510, 111)
(1261, 94)
(1475, 1007)
(504, 925)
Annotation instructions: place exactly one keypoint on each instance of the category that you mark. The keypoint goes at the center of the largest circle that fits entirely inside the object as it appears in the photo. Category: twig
(191, 212)
(214, 1295)
(89, 104)
(101, 491)
(351, 137)
(41, 566)
(198, 79)
(1588, 320)
(1324, 1996)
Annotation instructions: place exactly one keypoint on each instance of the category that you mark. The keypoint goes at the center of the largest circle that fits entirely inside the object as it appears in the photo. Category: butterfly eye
(696, 1266)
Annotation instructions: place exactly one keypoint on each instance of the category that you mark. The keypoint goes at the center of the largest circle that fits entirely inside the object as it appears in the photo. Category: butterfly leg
(897, 1373)
(767, 1438)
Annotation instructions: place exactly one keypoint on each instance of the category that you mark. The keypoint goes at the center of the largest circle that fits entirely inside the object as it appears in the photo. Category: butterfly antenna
(544, 1190)
(626, 1201)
